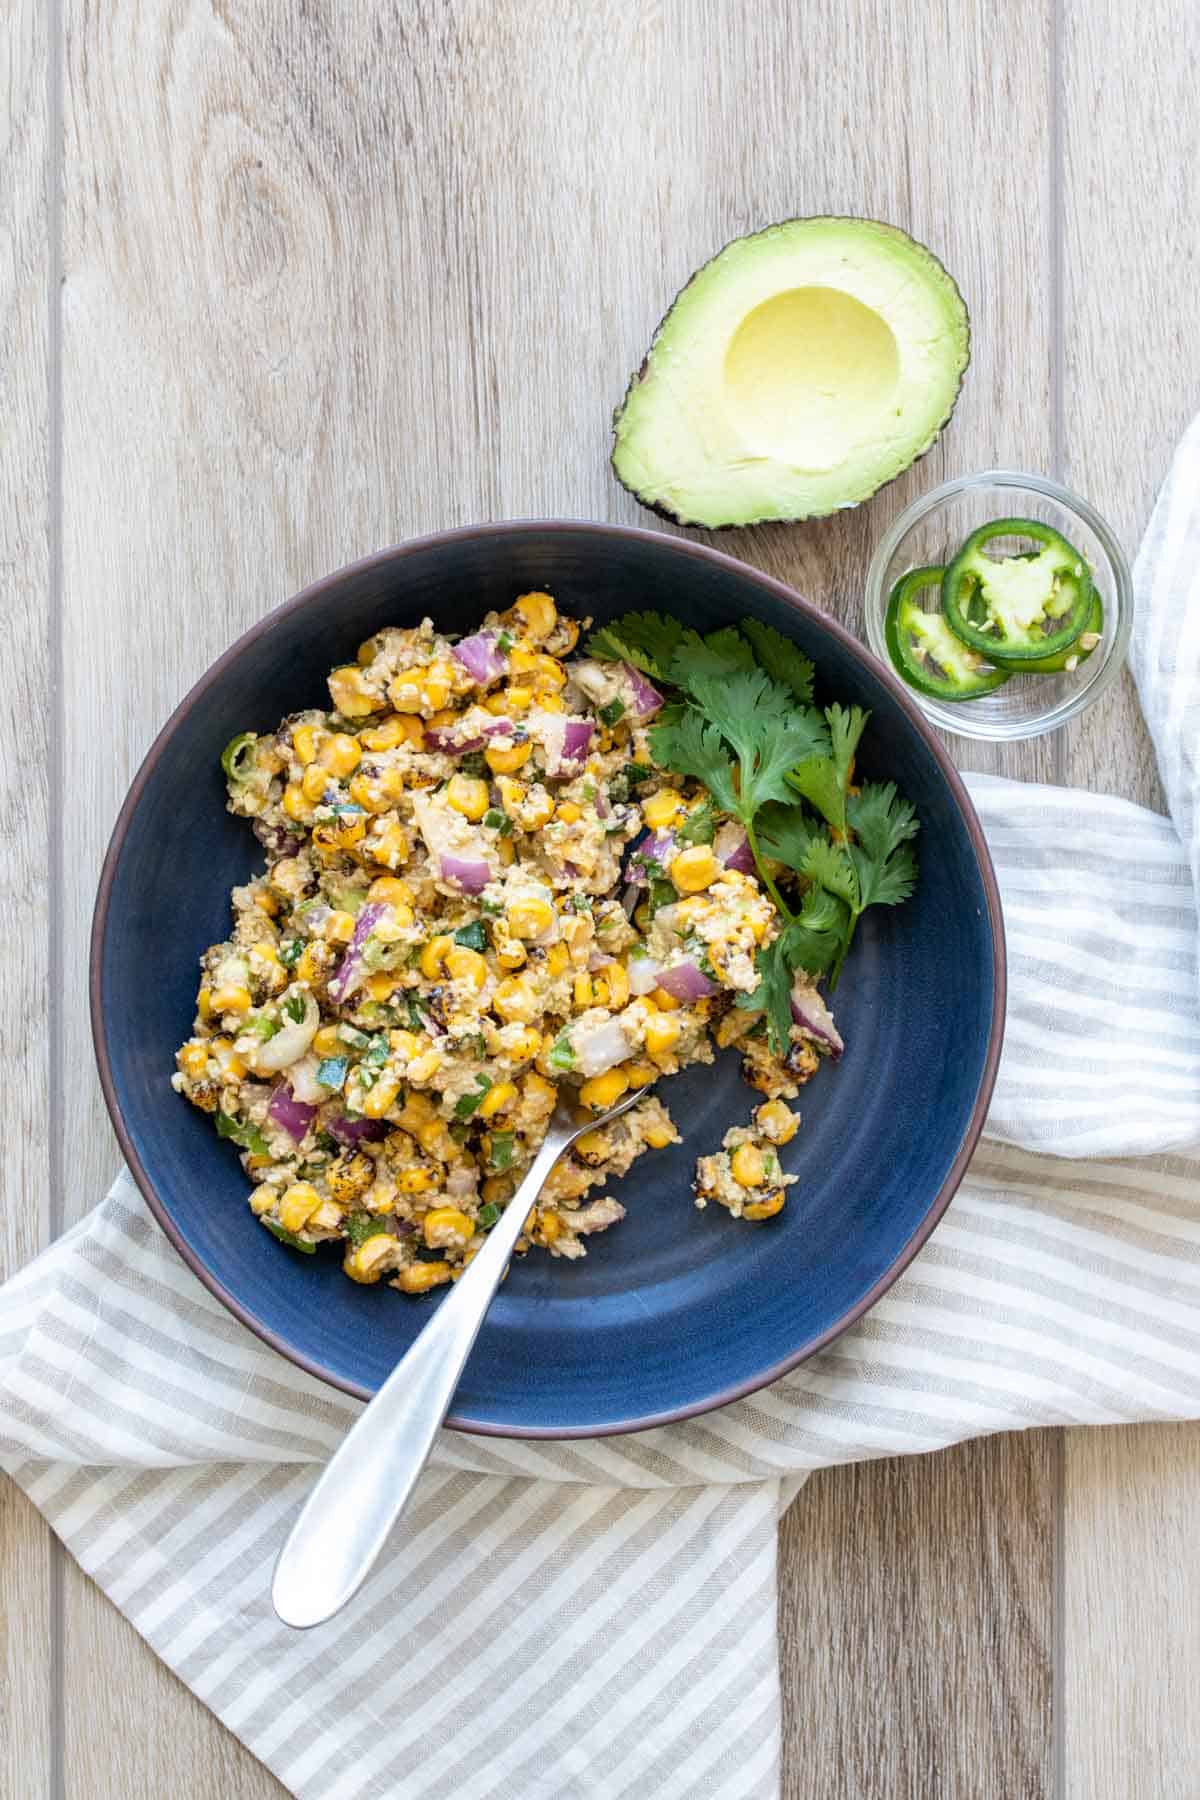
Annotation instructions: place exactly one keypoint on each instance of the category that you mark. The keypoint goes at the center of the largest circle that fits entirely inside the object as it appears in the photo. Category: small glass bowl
(933, 529)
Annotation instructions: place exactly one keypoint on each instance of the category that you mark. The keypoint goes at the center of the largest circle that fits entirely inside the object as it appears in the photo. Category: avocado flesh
(796, 373)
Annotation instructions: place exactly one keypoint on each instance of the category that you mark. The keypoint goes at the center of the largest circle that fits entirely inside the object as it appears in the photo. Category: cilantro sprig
(740, 719)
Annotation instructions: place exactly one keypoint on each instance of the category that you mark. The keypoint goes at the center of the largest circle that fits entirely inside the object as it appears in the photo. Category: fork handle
(365, 1486)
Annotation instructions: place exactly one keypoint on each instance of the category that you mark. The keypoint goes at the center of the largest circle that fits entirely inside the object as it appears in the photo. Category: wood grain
(341, 273)
(917, 1626)
(1131, 1618)
(26, 1546)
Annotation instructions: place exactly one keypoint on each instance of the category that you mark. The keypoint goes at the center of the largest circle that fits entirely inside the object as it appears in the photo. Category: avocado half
(796, 373)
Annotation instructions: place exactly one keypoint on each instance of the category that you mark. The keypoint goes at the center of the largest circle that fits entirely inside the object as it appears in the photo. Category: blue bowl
(674, 1311)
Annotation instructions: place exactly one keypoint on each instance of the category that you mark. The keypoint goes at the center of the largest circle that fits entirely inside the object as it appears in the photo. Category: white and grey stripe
(625, 1588)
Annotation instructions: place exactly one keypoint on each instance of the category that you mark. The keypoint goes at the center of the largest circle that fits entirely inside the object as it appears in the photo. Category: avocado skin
(674, 518)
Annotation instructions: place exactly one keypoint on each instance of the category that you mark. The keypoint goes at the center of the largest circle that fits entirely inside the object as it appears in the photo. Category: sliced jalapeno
(1021, 608)
(1066, 661)
(925, 650)
(237, 755)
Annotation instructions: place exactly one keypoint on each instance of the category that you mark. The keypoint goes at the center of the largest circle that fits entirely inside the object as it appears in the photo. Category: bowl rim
(688, 550)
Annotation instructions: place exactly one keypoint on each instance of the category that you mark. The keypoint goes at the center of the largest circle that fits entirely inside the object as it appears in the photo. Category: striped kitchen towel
(588, 1621)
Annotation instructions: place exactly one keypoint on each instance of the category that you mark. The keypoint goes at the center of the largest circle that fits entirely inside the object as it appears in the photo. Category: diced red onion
(352, 971)
(687, 981)
(657, 847)
(291, 1115)
(629, 899)
(643, 974)
(577, 740)
(601, 803)
(731, 847)
(470, 873)
(645, 699)
(814, 1017)
(481, 656)
(599, 1047)
(357, 1131)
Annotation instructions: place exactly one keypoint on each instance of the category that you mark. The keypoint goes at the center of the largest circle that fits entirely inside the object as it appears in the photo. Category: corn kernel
(511, 954)
(231, 998)
(538, 812)
(765, 1209)
(549, 1227)
(395, 730)
(465, 964)
(665, 1001)
(640, 1074)
(414, 1181)
(312, 964)
(539, 1093)
(338, 928)
(593, 1147)
(658, 1136)
(327, 1042)
(530, 917)
(383, 985)
(432, 959)
(304, 743)
(366, 1262)
(294, 803)
(445, 1223)
(604, 1090)
(661, 1035)
(568, 812)
(365, 791)
(504, 761)
(204, 1005)
(527, 1045)
(404, 691)
(662, 809)
(497, 1189)
(566, 636)
(468, 795)
(506, 851)
(616, 980)
(499, 1097)
(558, 959)
(389, 889)
(515, 999)
(538, 615)
(368, 650)
(350, 693)
(435, 1140)
(298, 1205)
(262, 1200)
(388, 845)
(517, 698)
(341, 754)
(437, 684)
(419, 1277)
(231, 1065)
(377, 1101)
(523, 661)
(747, 1167)
(423, 1068)
(694, 869)
(496, 703)
(549, 673)
(777, 1121)
(193, 1060)
(551, 702)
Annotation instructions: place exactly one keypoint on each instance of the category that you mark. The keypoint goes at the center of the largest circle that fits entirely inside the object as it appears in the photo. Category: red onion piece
(442, 737)
(657, 847)
(357, 1131)
(687, 981)
(480, 655)
(644, 698)
(352, 970)
(731, 847)
(814, 1017)
(291, 1115)
(577, 739)
(469, 873)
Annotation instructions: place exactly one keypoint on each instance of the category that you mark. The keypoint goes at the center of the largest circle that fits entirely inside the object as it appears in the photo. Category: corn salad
(478, 889)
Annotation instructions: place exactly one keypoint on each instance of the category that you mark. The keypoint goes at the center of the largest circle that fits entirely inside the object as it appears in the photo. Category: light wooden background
(281, 283)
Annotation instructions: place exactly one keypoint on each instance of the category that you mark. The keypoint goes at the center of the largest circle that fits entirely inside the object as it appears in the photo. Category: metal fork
(367, 1483)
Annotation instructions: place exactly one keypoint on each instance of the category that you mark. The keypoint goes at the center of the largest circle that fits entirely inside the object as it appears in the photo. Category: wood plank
(26, 1545)
(1131, 1624)
(916, 1626)
(296, 331)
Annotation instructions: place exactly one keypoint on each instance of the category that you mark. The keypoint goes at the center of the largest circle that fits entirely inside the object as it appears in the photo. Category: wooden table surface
(281, 283)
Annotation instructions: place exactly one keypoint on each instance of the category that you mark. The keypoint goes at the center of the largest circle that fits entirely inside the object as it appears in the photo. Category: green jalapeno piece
(926, 652)
(1068, 660)
(1019, 608)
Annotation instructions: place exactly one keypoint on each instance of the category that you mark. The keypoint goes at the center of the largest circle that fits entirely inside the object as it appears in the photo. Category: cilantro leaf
(694, 746)
(781, 659)
(812, 942)
(882, 823)
(700, 826)
(828, 865)
(697, 658)
(767, 730)
(646, 639)
(773, 995)
(785, 833)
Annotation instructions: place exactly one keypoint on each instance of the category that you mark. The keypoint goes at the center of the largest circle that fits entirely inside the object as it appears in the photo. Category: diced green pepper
(289, 1237)
(473, 935)
(331, 1073)
(609, 714)
(237, 757)
(363, 1225)
(464, 1108)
